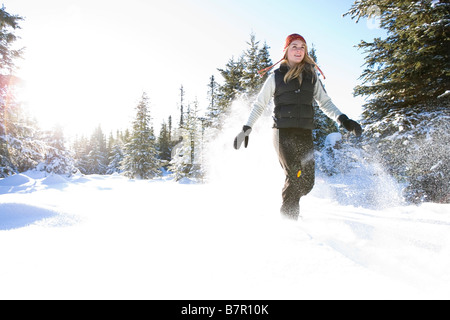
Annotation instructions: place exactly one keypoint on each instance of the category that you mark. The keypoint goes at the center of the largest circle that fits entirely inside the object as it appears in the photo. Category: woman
(293, 87)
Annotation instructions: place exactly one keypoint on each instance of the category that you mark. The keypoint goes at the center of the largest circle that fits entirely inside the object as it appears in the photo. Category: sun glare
(61, 86)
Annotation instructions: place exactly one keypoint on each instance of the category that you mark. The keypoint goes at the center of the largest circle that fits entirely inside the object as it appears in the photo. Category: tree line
(406, 116)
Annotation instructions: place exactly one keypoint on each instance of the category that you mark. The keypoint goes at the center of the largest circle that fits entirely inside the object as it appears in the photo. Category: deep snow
(108, 237)
(101, 237)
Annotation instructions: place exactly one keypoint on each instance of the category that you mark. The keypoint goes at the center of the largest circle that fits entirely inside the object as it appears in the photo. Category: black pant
(295, 150)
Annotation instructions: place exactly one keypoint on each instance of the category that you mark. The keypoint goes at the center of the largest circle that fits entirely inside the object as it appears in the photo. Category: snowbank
(18, 215)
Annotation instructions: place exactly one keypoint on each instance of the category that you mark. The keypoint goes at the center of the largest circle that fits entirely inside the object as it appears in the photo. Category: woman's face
(296, 52)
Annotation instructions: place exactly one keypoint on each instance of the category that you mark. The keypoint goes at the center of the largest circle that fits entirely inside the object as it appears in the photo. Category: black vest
(293, 102)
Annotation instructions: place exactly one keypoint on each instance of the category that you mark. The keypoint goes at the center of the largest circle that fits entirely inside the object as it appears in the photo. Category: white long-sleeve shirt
(266, 94)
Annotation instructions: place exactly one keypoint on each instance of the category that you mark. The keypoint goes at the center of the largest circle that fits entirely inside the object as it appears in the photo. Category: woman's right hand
(242, 137)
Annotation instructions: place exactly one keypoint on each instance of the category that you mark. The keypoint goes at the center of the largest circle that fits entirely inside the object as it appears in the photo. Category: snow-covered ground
(108, 237)
(104, 237)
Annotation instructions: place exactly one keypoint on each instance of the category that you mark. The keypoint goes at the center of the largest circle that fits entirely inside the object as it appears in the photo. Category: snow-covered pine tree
(81, 150)
(411, 65)
(165, 144)
(29, 144)
(182, 106)
(187, 154)
(141, 157)
(240, 77)
(323, 125)
(6, 164)
(57, 159)
(8, 24)
(405, 120)
(21, 147)
(232, 75)
(97, 156)
(255, 59)
(115, 159)
(115, 153)
(7, 139)
(213, 111)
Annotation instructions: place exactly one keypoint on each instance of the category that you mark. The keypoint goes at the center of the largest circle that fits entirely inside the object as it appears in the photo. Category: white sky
(87, 62)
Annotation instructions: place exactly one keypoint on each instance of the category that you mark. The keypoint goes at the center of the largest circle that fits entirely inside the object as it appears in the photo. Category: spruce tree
(241, 76)
(255, 59)
(406, 119)
(181, 106)
(164, 144)
(213, 110)
(8, 107)
(58, 159)
(115, 154)
(323, 125)
(186, 158)
(8, 25)
(169, 128)
(21, 147)
(232, 75)
(81, 149)
(31, 147)
(411, 66)
(141, 156)
(98, 156)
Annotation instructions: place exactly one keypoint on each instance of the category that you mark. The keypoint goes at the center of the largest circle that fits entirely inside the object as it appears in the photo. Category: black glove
(350, 125)
(241, 137)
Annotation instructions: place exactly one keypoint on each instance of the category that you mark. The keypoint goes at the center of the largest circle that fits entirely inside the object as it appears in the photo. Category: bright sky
(87, 62)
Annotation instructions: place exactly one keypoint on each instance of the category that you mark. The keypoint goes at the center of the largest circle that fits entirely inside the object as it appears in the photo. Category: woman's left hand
(350, 125)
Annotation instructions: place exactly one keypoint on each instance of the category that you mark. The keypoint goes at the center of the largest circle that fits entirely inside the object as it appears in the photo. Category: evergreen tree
(110, 145)
(8, 107)
(411, 66)
(115, 154)
(241, 77)
(81, 149)
(232, 75)
(57, 158)
(213, 110)
(181, 106)
(255, 59)
(164, 144)
(96, 159)
(406, 77)
(97, 156)
(91, 155)
(323, 125)
(21, 147)
(8, 24)
(170, 129)
(186, 155)
(115, 159)
(141, 157)
(30, 145)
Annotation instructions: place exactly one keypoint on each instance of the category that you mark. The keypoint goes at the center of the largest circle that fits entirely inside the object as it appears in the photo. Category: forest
(406, 118)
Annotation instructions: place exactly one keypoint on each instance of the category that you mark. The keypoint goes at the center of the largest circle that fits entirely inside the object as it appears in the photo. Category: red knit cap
(292, 37)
